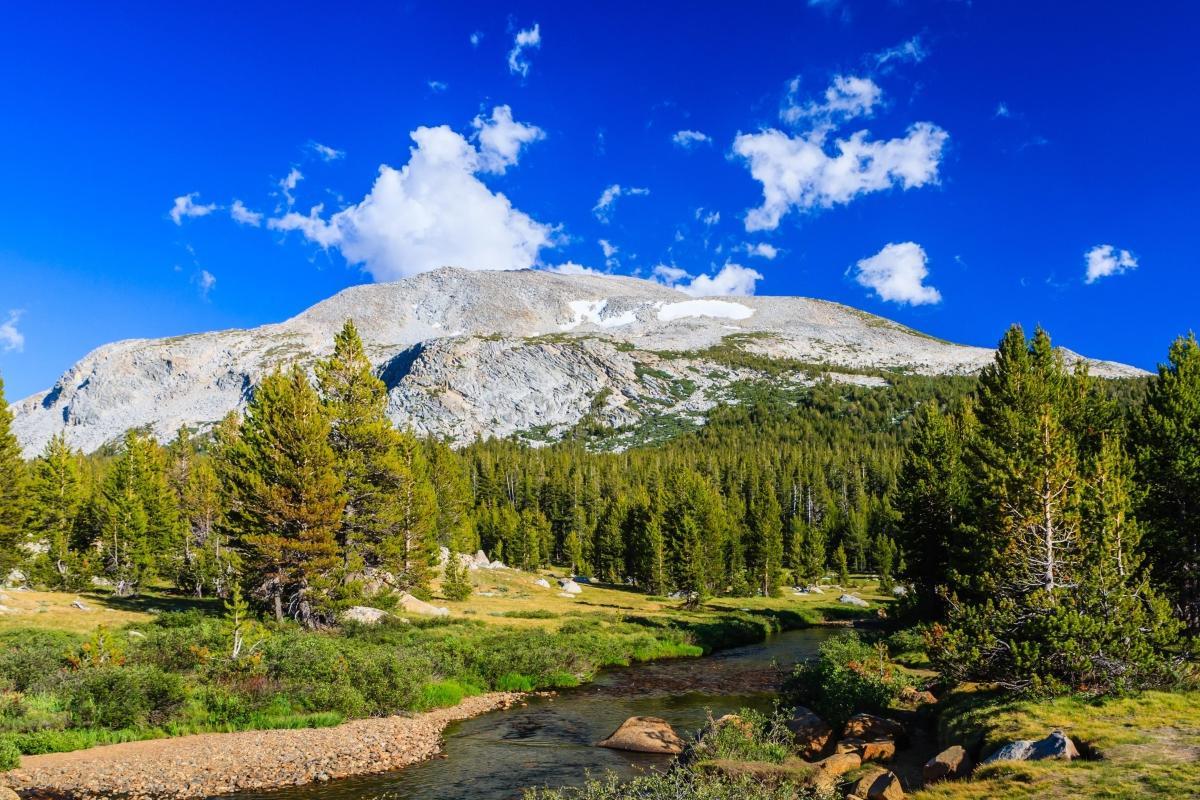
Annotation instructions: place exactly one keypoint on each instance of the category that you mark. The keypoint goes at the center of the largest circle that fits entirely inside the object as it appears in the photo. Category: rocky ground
(220, 763)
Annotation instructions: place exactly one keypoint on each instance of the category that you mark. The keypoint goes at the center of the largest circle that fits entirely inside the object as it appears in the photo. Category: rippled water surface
(551, 741)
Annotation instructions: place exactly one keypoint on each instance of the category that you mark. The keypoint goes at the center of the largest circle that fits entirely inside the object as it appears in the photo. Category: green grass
(1141, 746)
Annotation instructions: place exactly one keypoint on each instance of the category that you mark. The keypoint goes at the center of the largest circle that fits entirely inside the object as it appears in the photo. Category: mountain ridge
(469, 353)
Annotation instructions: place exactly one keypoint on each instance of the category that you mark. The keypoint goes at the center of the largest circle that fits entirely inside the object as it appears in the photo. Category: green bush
(124, 697)
(31, 658)
(758, 737)
(679, 784)
(10, 754)
(849, 675)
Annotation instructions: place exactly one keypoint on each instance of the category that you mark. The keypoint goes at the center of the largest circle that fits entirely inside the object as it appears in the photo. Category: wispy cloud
(689, 139)
(186, 206)
(608, 199)
(243, 215)
(847, 97)
(437, 87)
(206, 281)
(912, 50)
(518, 61)
(325, 152)
(11, 338)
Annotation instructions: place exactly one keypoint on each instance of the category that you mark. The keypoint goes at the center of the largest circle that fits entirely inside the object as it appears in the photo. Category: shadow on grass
(158, 602)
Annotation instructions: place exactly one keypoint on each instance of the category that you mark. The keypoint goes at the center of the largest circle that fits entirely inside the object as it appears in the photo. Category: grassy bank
(1140, 746)
(161, 665)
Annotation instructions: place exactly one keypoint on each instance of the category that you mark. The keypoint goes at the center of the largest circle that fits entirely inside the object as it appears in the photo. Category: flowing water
(551, 741)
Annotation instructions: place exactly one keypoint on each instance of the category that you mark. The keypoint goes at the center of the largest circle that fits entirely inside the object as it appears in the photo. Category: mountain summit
(469, 353)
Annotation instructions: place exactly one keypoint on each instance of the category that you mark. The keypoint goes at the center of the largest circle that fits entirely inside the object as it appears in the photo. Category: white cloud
(896, 274)
(243, 215)
(437, 86)
(476, 38)
(912, 50)
(608, 199)
(288, 184)
(1002, 110)
(432, 212)
(206, 281)
(709, 218)
(796, 172)
(846, 98)
(501, 139)
(571, 268)
(731, 279)
(518, 63)
(608, 247)
(689, 139)
(10, 337)
(761, 249)
(1104, 260)
(325, 152)
(186, 206)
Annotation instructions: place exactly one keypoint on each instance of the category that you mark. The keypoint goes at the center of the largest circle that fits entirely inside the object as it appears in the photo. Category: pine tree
(609, 548)
(765, 528)
(285, 498)
(456, 580)
(1167, 434)
(139, 517)
(843, 567)
(209, 564)
(56, 500)
(390, 516)
(12, 492)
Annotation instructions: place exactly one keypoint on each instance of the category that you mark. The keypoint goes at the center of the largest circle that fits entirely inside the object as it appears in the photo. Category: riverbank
(214, 764)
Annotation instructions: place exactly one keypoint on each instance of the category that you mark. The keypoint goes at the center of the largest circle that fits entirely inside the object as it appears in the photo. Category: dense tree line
(311, 500)
(1058, 549)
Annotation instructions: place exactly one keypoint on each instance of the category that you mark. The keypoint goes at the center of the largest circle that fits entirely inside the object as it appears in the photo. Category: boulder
(644, 735)
(878, 785)
(815, 590)
(870, 728)
(542, 582)
(1057, 745)
(569, 586)
(16, 578)
(497, 565)
(839, 763)
(874, 750)
(810, 734)
(733, 719)
(8, 794)
(910, 695)
(364, 615)
(414, 605)
(953, 762)
(851, 600)
(80, 605)
(481, 559)
(443, 555)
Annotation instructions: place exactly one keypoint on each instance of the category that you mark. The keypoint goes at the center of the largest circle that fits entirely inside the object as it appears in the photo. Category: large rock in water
(1056, 745)
(810, 734)
(953, 762)
(645, 735)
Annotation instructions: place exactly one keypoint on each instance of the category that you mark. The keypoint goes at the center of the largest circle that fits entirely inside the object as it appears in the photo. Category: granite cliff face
(467, 354)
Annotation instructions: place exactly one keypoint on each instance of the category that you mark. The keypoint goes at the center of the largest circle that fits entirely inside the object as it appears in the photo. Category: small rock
(80, 605)
(415, 606)
(644, 735)
(542, 582)
(839, 763)
(953, 762)
(875, 750)
(870, 728)
(364, 615)
(851, 600)
(1057, 745)
(878, 785)
(810, 734)
(910, 695)
(569, 586)
(8, 794)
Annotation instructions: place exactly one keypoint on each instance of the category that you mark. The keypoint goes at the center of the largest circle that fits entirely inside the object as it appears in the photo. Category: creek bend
(551, 741)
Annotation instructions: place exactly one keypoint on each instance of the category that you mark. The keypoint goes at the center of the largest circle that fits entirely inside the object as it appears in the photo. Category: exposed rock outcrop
(953, 762)
(810, 733)
(645, 735)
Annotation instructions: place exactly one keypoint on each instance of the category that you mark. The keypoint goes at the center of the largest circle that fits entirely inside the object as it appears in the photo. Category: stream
(551, 741)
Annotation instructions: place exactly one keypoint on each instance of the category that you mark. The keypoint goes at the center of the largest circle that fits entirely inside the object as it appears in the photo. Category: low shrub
(677, 784)
(754, 736)
(124, 697)
(849, 675)
(10, 754)
(31, 658)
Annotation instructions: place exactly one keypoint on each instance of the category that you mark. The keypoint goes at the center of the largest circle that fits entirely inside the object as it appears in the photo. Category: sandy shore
(220, 763)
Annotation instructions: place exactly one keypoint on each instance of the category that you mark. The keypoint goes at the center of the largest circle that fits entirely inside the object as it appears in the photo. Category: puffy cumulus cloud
(912, 50)
(186, 206)
(325, 152)
(244, 216)
(846, 98)
(1104, 260)
(572, 268)
(796, 172)
(11, 337)
(501, 139)
(608, 199)
(530, 38)
(761, 249)
(689, 139)
(897, 274)
(432, 212)
(731, 279)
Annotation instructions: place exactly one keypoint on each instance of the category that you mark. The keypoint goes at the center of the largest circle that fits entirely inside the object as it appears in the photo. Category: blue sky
(947, 164)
